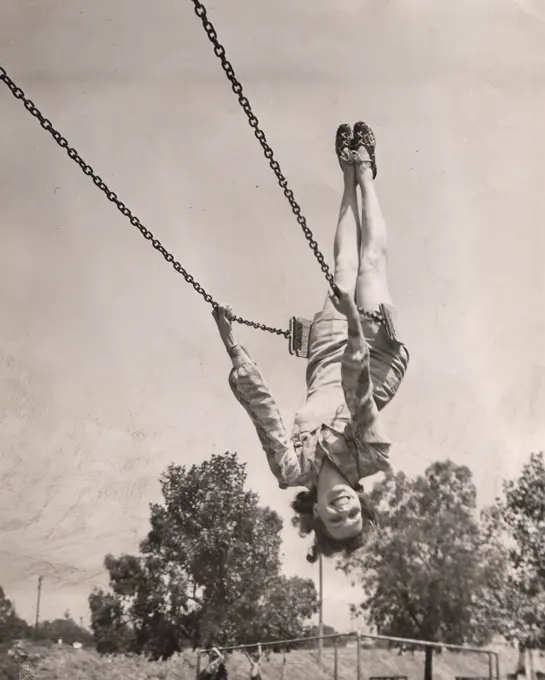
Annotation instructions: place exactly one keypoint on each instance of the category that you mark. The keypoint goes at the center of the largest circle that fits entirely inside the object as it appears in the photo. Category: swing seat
(300, 332)
(299, 336)
(388, 322)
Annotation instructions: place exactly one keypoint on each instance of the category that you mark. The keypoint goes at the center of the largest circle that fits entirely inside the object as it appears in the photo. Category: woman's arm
(253, 393)
(223, 316)
(355, 370)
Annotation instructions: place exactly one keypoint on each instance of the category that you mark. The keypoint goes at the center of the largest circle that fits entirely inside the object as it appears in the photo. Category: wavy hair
(324, 544)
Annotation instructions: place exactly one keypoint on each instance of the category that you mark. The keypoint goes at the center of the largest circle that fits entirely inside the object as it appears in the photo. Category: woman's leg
(347, 236)
(372, 281)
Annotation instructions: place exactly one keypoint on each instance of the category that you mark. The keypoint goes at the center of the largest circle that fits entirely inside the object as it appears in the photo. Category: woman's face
(340, 511)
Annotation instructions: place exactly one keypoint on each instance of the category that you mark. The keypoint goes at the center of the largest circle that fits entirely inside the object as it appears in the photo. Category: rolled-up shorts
(388, 361)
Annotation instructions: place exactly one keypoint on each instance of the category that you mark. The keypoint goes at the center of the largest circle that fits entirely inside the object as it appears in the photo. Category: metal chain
(219, 51)
(112, 196)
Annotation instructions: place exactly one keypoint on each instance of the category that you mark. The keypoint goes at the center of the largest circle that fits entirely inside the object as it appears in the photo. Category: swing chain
(47, 125)
(219, 51)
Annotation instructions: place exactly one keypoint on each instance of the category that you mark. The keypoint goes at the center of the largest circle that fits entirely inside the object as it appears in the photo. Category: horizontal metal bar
(355, 633)
(282, 642)
(425, 643)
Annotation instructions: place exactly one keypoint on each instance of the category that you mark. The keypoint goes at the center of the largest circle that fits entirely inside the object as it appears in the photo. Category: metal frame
(493, 656)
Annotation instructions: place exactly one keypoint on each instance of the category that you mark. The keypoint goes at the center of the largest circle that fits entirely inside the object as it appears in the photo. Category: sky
(110, 365)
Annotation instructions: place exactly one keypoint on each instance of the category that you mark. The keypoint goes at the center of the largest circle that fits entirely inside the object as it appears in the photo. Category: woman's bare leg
(372, 281)
(347, 236)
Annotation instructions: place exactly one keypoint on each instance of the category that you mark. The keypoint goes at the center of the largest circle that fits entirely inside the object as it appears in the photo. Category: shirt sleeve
(253, 393)
(373, 445)
(357, 382)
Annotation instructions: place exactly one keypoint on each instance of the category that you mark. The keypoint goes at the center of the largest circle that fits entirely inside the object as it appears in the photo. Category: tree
(423, 573)
(518, 521)
(278, 613)
(314, 632)
(66, 629)
(208, 572)
(109, 623)
(12, 627)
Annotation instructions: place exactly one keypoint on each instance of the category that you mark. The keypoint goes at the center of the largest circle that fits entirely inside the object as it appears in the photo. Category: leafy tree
(314, 631)
(66, 629)
(109, 623)
(518, 521)
(12, 627)
(423, 574)
(208, 572)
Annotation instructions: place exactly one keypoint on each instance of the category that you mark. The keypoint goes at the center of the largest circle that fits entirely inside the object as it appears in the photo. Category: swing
(299, 331)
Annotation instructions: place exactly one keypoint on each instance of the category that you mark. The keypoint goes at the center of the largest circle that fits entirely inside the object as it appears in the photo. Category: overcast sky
(110, 367)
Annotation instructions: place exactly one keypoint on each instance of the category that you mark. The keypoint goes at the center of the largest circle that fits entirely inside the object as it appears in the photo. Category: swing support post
(358, 656)
(198, 669)
(321, 609)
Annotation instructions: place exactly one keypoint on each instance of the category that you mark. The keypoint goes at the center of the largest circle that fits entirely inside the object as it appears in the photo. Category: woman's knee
(346, 272)
(373, 257)
(372, 286)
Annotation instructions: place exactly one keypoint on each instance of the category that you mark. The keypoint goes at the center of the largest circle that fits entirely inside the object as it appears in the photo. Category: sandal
(343, 144)
(364, 136)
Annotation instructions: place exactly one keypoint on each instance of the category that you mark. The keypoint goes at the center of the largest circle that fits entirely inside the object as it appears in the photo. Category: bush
(9, 669)
(62, 662)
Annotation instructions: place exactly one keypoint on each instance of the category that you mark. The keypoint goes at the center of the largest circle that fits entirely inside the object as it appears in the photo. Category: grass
(58, 662)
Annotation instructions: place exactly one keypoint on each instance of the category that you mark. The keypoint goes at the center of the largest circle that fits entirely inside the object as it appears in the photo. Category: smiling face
(340, 511)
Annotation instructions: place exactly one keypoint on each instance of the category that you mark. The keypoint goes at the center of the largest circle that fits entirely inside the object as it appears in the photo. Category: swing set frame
(358, 639)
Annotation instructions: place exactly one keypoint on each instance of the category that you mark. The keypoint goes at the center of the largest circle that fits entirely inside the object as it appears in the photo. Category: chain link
(47, 125)
(219, 51)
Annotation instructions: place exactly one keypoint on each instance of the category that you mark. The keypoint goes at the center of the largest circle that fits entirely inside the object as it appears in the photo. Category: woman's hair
(324, 544)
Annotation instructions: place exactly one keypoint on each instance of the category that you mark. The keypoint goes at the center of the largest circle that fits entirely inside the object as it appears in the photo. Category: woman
(355, 367)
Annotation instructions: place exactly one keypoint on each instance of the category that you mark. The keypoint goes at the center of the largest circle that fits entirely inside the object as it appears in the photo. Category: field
(65, 663)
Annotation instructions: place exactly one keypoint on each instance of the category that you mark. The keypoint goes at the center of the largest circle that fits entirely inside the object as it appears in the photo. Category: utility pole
(321, 608)
(40, 578)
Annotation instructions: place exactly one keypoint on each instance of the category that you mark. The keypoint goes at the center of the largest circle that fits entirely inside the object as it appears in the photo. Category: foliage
(109, 623)
(66, 629)
(208, 572)
(12, 626)
(517, 520)
(65, 663)
(424, 574)
(62, 662)
(9, 668)
(314, 631)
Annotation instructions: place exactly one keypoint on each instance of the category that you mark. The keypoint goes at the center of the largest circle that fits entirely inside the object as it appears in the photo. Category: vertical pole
(490, 666)
(358, 656)
(199, 652)
(497, 666)
(39, 596)
(336, 660)
(531, 663)
(321, 609)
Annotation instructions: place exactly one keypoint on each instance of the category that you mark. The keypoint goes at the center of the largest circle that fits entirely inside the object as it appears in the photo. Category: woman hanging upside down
(354, 369)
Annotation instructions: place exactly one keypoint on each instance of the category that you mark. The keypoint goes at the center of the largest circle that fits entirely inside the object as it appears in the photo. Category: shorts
(388, 357)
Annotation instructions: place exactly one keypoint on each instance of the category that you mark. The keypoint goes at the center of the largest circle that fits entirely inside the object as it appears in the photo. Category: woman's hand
(345, 304)
(223, 316)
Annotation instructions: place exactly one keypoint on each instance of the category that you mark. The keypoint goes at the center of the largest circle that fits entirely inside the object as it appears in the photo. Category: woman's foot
(344, 145)
(363, 146)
